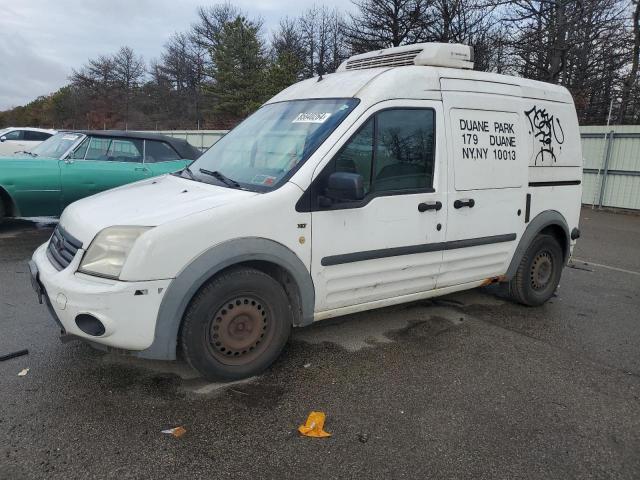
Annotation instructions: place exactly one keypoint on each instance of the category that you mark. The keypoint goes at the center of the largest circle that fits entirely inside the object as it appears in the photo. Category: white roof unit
(453, 55)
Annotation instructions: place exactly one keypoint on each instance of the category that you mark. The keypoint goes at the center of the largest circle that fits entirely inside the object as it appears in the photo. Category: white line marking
(632, 272)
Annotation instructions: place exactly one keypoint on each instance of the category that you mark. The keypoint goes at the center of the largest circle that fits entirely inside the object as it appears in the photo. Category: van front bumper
(127, 311)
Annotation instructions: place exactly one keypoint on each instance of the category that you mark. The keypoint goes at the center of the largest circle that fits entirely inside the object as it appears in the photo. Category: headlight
(109, 250)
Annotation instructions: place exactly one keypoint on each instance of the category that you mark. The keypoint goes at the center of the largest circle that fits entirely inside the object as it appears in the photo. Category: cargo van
(404, 175)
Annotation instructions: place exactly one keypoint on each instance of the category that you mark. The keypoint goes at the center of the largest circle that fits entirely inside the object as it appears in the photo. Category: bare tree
(128, 72)
(323, 39)
(387, 23)
(211, 21)
(632, 77)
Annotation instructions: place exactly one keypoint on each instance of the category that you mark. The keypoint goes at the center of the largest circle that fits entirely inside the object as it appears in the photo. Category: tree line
(225, 66)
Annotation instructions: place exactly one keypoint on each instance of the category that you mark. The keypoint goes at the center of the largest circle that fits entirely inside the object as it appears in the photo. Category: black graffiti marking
(547, 128)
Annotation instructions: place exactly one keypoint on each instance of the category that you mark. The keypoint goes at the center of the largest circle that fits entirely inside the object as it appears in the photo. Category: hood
(150, 203)
(15, 156)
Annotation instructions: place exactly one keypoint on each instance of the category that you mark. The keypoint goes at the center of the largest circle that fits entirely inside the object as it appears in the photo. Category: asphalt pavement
(465, 386)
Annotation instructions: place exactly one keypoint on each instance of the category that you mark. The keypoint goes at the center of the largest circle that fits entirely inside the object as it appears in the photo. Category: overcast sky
(41, 41)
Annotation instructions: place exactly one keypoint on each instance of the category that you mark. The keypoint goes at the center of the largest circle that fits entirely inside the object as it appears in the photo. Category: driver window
(14, 135)
(393, 151)
(357, 155)
(98, 148)
(79, 152)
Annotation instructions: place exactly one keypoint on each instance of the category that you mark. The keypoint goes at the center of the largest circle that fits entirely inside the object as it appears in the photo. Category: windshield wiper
(220, 176)
(188, 170)
(28, 153)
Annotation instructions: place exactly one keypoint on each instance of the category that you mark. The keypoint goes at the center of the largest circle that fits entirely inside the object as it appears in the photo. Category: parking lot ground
(465, 386)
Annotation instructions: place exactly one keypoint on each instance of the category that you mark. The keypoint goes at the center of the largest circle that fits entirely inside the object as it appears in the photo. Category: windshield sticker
(266, 180)
(311, 117)
(69, 137)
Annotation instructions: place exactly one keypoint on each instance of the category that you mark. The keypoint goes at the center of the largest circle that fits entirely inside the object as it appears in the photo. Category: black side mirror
(345, 187)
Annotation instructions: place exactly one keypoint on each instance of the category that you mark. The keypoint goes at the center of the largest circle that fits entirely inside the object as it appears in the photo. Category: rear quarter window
(157, 151)
(36, 136)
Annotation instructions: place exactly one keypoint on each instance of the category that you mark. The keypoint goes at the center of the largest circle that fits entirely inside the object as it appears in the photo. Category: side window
(14, 135)
(393, 151)
(98, 147)
(357, 155)
(81, 150)
(36, 136)
(156, 151)
(404, 154)
(125, 150)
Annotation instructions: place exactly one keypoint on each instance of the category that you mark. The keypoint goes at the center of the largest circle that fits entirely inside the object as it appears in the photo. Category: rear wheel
(236, 325)
(539, 272)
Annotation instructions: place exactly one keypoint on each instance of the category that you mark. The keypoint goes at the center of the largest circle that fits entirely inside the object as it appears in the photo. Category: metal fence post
(606, 167)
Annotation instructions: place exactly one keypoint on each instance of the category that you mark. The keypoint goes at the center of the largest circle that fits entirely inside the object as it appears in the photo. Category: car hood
(19, 156)
(147, 203)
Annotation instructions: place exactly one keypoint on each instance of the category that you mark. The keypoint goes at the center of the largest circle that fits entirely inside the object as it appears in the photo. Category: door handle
(141, 169)
(464, 203)
(424, 206)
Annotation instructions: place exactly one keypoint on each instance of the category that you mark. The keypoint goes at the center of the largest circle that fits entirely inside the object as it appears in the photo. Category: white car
(403, 176)
(22, 139)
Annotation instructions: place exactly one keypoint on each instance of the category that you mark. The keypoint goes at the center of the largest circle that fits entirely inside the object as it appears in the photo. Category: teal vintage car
(75, 164)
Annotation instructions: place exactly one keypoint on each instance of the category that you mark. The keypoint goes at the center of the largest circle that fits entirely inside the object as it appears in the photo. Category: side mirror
(345, 187)
(3, 138)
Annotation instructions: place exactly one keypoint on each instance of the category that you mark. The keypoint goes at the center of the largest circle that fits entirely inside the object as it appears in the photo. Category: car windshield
(4, 130)
(56, 146)
(264, 150)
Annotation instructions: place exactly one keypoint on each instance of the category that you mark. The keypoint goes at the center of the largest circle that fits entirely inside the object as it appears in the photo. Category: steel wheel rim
(240, 330)
(541, 270)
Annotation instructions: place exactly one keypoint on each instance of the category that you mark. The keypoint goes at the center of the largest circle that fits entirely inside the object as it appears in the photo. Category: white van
(403, 176)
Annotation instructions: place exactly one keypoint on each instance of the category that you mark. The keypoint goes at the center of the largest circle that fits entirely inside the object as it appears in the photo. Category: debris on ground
(19, 353)
(314, 426)
(306, 365)
(23, 372)
(177, 432)
(363, 437)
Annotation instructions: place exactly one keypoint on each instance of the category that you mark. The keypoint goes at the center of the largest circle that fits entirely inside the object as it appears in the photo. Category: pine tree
(239, 70)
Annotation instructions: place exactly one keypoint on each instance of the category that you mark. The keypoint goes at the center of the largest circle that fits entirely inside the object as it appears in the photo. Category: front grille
(396, 59)
(62, 248)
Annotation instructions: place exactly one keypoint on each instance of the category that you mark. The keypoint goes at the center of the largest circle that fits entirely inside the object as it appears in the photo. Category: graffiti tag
(546, 129)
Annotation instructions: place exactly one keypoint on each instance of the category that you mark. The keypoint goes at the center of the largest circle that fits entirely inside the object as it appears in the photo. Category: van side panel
(555, 160)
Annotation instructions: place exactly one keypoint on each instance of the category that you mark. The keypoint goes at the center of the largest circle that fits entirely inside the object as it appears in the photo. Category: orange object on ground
(176, 432)
(314, 427)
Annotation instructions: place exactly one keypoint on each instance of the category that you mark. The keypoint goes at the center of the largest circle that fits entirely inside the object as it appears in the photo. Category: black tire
(236, 325)
(539, 272)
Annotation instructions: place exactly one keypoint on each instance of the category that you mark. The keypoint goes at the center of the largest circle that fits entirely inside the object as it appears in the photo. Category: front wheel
(236, 325)
(539, 272)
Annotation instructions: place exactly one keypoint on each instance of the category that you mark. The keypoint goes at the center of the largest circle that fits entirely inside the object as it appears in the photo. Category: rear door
(160, 158)
(100, 163)
(488, 179)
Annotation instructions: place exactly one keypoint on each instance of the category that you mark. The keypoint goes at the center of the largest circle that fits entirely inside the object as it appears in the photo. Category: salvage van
(404, 175)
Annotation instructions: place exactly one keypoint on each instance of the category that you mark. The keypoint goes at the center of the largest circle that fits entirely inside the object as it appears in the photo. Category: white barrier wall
(611, 166)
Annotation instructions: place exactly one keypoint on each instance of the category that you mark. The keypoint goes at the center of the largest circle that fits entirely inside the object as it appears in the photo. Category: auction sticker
(311, 117)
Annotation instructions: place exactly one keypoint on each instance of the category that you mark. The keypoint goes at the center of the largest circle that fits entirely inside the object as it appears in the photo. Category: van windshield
(263, 151)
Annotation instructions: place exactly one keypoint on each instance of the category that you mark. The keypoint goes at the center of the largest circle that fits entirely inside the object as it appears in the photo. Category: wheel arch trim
(182, 289)
(13, 206)
(544, 219)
